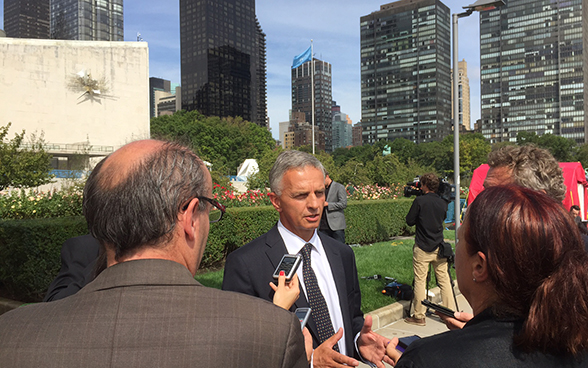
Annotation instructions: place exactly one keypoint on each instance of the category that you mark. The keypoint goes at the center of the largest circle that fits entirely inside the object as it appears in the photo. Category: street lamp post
(479, 5)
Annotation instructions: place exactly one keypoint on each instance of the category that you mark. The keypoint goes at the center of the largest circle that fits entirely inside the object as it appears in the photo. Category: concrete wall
(39, 91)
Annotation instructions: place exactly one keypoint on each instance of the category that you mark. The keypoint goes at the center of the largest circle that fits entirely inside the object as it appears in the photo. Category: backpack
(398, 291)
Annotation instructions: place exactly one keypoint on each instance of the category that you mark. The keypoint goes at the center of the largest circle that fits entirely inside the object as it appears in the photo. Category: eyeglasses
(216, 212)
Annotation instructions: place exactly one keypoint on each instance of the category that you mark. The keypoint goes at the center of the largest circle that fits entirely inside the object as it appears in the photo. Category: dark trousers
(335, 234)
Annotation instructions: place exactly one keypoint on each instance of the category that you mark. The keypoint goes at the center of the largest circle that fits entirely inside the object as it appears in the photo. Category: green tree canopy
(225, 142)
(23, 167)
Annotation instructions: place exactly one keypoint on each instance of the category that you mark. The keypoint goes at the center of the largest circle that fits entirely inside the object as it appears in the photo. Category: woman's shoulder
(487, 343)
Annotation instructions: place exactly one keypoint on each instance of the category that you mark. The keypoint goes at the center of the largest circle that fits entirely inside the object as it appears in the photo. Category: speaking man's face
(302, 200)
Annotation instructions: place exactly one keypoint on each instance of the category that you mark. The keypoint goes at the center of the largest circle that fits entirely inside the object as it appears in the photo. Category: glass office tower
(405, 72)
(87, 20)
(26, 18)
(223, 59)
(323, 97)
(533, 69)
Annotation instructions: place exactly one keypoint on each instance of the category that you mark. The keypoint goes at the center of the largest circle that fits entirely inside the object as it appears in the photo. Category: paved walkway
(399, 328)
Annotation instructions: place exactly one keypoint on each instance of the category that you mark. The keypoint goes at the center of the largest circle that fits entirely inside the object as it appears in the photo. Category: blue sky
(289, 26)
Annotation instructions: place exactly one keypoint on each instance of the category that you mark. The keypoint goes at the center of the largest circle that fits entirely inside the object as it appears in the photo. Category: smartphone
(289, 264)
(438, 308)
(303, 314)
(403, 342)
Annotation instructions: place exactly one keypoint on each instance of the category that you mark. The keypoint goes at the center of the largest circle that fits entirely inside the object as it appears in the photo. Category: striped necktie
(320, 311)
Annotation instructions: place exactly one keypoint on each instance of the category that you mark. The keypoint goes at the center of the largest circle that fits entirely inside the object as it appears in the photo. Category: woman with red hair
(521, 264)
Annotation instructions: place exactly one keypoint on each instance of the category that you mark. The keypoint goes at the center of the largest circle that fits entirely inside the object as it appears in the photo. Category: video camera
(446, 191)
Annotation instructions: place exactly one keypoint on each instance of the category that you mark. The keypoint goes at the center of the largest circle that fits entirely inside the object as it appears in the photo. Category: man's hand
(392, 352)
(372, 346)
(456, 323)
(325, 356)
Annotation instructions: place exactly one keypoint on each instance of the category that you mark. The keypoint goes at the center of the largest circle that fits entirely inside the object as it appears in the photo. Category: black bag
(445, 250)
(398, 291)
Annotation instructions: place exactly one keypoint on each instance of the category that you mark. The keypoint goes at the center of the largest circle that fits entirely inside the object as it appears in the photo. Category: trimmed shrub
(373, 221)
(30, 253)
(30, 249)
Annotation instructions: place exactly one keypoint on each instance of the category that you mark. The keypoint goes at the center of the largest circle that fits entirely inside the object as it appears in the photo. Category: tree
(225, 142)
(563, 149)
(23, 167)
(260, 179)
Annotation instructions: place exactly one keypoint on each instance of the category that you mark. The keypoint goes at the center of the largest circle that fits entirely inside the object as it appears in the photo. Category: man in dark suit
(149, 205)
(333, 219)
(328, 270)
(78, 267)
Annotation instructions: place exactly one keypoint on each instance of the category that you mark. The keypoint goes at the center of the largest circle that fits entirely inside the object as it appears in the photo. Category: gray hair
(287, 160)
(532, 167)
(142, 208)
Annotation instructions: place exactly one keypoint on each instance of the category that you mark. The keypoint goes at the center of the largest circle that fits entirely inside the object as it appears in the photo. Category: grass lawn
(391, 258)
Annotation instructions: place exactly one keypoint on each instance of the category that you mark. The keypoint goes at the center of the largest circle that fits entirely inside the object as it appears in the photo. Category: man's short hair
(291, 159)
(574, 207)
(532, 167)
(431, 181)
(142, 208)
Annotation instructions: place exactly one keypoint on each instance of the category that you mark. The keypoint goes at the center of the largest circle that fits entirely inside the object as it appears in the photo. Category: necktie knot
(306, 252)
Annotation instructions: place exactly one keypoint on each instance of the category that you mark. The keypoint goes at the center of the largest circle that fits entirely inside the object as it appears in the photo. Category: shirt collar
(294, 243)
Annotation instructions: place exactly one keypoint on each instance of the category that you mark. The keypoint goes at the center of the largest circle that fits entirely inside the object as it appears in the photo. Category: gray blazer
(151, 313)
(337, 199)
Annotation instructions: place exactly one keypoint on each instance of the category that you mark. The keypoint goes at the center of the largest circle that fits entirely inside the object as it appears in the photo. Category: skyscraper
(405, 72)
(463, 85)
(223, 59)
(87, 20)
(302, 100)
(26, 18)
(534, 69)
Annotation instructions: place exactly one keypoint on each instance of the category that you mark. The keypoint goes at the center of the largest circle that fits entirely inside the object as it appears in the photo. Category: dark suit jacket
(151, 313)
(78, 261)
(427, 212)
(484, 342)
(337, 199)
(249, 270)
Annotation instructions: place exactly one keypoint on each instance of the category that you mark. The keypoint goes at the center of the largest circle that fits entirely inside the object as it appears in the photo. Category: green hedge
(30, 249)
(30, 253)
(373, 221)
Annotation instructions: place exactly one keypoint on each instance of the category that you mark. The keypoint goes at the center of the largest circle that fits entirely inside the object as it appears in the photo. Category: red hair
(537, 265)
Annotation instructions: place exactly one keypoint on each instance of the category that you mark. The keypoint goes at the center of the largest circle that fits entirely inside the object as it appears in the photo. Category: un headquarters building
(405, 72)
(533, 69)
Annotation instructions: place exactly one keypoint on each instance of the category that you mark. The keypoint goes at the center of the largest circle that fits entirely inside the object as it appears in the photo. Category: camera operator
(428, 212)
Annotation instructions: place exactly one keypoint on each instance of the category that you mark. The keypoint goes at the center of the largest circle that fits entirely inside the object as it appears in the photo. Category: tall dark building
(534, 69)
(26, 18)
(223, 59)
(87, 20)
(323, 97)
(156, 84)
(405, 72)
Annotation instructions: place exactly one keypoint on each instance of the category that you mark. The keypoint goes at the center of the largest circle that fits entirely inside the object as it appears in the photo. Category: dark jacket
(427, 212)
(485, 341)
(249, 270)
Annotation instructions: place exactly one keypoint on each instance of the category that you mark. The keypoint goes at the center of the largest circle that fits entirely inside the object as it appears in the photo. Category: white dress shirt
(322, 269)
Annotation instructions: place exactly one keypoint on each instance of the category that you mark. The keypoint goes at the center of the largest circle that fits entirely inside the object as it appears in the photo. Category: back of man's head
(532, 167)
(287, 160)
(133, 201)
(431, 181)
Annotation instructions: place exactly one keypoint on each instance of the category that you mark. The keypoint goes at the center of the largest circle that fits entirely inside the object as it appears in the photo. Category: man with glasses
(149, 206)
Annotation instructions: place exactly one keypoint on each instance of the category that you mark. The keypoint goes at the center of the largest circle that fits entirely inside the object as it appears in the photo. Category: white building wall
(38, 92)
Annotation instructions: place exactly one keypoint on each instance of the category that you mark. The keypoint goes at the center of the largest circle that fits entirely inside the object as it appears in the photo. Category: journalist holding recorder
(521, 265)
